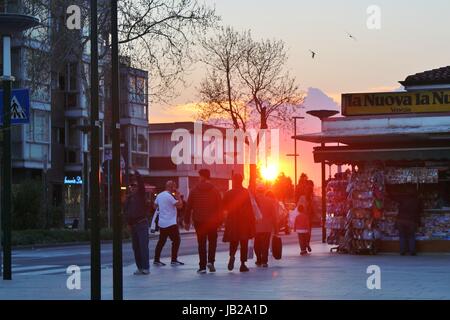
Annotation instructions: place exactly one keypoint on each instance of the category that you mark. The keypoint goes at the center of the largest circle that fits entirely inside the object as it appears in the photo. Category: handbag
(277, 247)
(250, 250)
(155, 222)
(256, 211)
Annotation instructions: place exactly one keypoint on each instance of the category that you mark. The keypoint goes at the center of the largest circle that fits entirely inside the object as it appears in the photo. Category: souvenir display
(360, 211)
(387, 224)
(337, 208)
(434, 226)
(367, 194)
(411, 175)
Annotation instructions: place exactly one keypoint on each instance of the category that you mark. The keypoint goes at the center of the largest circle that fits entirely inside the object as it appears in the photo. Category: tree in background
(157, 35)
(283, 188)
(246, 83)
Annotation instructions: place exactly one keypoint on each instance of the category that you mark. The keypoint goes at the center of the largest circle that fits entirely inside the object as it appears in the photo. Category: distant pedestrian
(167, 203)
(136, 215)
(408, 219)
(302, 227)
(264, 226)
(239, 223)
(204, 206)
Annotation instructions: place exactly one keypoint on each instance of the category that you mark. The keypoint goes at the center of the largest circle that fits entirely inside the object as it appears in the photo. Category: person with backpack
(136, 215)
(204, 208)
(240, 221)
(302, 227)
(166, 204)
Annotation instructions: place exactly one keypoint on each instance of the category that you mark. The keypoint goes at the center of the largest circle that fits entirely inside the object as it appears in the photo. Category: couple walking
(208, 211)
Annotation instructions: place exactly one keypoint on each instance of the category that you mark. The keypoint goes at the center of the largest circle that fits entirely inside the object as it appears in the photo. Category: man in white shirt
(167, 203)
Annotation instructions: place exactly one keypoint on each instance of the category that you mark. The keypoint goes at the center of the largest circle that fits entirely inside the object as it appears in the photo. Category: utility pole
(94, 202)
(116, 202)
(295, 156)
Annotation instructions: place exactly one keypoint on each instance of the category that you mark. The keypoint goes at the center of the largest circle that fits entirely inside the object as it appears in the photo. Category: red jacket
(302, 224)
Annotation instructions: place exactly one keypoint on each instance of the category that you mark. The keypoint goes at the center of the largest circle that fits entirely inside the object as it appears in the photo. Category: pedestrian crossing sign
(20, 106)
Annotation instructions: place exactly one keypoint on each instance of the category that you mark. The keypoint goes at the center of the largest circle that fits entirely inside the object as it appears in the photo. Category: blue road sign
(20, 106)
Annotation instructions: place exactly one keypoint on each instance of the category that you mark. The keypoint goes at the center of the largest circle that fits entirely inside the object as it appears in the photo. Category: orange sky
(375, 62)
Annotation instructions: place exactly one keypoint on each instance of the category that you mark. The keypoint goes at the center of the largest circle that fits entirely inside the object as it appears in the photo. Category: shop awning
(348, 155)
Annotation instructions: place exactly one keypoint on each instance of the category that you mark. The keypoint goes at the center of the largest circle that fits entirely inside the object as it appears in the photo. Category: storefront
(390, 142)
(73, 188)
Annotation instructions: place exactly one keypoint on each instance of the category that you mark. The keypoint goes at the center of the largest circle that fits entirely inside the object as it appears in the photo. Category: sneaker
(309, 249)
(231, 263)
(258, 264)
(201, 271)
(211, 267)
(303, 253)
(159, 263)
(244, 268)
(138, 272)
(177, 263)
(265, 265)
(145, 271)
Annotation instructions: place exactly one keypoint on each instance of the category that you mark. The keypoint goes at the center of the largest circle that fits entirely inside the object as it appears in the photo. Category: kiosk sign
(357, 104)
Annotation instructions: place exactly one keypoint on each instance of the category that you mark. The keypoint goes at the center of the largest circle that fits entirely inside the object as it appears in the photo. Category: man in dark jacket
(408, 219)
(204, 205)
(240, 221)
(135, 211)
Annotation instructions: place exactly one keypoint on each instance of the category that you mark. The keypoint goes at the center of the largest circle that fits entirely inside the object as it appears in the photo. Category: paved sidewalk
(323, 275)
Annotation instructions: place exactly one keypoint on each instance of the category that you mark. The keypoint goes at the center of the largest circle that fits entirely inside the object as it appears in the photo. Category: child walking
(302, 227)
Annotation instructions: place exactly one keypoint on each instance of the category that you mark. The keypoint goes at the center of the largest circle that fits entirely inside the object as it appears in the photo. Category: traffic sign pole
(6, 159)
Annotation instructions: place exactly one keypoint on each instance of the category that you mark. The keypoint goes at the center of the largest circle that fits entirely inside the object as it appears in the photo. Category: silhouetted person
(408, 218)
(240, 221)
(264, 226)
(136, 215)
(204, 206)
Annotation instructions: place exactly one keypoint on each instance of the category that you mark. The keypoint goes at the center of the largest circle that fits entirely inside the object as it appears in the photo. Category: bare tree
(247, 83)
(219, 91)
(273, 93)
(158, 36)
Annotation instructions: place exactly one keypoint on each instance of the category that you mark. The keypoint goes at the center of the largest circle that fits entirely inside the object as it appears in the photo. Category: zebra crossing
(42, 270)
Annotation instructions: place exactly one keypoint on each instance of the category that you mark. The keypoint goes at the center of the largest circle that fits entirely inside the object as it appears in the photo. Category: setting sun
(269, 172)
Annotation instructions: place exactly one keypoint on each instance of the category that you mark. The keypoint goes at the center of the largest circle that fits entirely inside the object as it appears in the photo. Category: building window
(41, 126)
(38, 129)
(137, 89)
(139, 160)
(139, 139)
(72, 75)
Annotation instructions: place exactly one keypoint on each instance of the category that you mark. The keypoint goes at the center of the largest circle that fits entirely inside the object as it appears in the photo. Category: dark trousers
(303, 241)
(139, 238)
(407, 233)
(244, 249)
(173, 233)
(262, 244)
(206, 236)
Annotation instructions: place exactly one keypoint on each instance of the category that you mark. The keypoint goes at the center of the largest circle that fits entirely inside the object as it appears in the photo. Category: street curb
(81, 243)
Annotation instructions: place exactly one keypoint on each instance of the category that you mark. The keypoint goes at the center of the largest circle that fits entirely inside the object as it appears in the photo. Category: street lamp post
(94, 188)
(116, 204)
(323, 114)
(10, 24)
(295, 155)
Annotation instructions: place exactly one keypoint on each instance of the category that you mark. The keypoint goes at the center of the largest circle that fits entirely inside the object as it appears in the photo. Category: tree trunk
(253, 167)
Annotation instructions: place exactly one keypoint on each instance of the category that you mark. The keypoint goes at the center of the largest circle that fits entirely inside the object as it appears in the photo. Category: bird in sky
(313, 54)
(351, 36)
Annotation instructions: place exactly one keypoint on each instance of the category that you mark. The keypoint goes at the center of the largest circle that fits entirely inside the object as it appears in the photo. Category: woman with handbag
(240, 221)
(264, 226)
